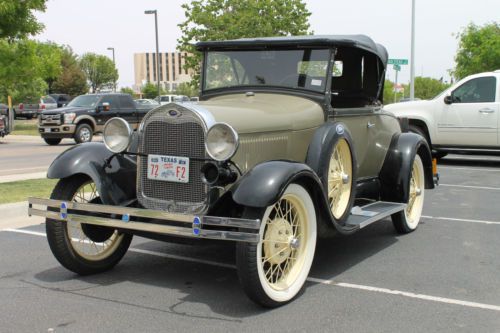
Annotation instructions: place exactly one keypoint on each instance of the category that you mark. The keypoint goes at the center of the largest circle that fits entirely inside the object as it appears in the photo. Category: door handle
(486, 110)
(370, 125)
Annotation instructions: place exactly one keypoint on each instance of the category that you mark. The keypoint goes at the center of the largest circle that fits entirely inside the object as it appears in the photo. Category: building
(172, 71)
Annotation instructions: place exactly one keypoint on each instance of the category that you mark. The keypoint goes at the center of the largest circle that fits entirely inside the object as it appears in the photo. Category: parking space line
(473, 187)
(468, 169)
(460, 220)
(310, 279)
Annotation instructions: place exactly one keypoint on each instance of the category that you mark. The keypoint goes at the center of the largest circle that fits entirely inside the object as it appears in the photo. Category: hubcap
(340, 178)
(283, 243)
(84, 134)
(78, 234)
(415, 200)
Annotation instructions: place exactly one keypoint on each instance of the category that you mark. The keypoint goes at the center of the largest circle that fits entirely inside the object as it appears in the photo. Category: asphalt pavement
(442, 277)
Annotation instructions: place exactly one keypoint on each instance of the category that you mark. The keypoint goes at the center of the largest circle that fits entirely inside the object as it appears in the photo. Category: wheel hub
(279, 241)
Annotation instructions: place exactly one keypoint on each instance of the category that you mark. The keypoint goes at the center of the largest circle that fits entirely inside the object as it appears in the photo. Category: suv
(463, 118)
(86, 115)
(288, 143)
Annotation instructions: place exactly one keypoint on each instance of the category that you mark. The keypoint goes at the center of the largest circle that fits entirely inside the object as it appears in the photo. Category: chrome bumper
(125, 218)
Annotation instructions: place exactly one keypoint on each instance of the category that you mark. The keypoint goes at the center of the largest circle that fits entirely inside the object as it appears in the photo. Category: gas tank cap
(249, 94)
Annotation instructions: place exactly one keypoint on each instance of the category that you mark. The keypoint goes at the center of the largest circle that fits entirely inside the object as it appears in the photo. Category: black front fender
(396, 171)
(116, 183)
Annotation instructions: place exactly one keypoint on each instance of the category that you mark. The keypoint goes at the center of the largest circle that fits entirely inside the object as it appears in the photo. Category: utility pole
(412, 59)
(157, 52)
(113, 49)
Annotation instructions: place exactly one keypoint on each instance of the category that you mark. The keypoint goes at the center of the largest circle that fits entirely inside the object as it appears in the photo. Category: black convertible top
(357, 41)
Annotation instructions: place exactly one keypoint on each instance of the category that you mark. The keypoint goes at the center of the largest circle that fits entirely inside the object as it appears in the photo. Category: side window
(112, 100)
(480, 90)
(125, 102)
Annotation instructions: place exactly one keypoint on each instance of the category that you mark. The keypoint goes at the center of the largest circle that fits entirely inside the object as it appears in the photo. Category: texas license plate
(168, 168)
(48, 130)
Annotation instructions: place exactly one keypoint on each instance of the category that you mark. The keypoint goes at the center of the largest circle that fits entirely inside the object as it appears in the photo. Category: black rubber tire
(77, 135)
(419, 131)
(59, 241)
(29, 117)
(52, 141)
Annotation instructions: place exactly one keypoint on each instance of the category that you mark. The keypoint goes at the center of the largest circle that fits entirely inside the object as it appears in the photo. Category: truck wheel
(52, 141)
(83, 133)
(274, 271)
(83, 248)
(407, 220)
(339, 180)
(419, 131)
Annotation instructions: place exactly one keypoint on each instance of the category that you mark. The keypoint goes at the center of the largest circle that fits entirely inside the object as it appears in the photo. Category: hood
(66, 109)
(407, 106)
(264, 112)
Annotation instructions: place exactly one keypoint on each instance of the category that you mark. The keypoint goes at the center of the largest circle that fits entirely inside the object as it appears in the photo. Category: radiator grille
(179, 135)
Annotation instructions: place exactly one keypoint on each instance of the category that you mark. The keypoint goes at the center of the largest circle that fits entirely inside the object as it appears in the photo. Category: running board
(368, 214)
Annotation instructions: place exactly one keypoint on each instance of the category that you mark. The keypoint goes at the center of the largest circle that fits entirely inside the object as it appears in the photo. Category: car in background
(181, 98)
(61, 99)
(165, 99)
(145, 103)
(194, 99)
(32, 107)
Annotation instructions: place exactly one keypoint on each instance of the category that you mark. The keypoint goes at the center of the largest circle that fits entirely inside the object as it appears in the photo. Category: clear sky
(95, 25)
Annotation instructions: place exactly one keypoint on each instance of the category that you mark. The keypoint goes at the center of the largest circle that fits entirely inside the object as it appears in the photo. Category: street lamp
(113, 49)
(157, 55)
(412, 57)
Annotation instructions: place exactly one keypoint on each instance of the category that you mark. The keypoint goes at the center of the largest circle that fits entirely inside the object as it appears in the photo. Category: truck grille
(179, 133)
(50, 119)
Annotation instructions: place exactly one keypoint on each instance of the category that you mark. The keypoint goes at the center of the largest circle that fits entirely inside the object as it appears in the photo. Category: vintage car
(288, 143)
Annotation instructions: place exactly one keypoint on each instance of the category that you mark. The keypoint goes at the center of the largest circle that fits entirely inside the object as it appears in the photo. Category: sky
(95, 25)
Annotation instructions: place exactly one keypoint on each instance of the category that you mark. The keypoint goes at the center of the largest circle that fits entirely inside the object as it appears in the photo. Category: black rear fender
(396, 171)
(115, 184)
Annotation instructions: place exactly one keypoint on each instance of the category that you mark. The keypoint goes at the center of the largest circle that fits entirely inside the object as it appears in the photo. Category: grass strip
(25, 127)
(21, 190)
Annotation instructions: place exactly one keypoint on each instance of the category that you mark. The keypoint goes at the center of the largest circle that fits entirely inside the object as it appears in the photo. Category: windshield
(88, 101)
(301, 69)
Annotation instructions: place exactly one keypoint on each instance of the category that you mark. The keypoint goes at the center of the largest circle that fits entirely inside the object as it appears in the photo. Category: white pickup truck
(463, 118)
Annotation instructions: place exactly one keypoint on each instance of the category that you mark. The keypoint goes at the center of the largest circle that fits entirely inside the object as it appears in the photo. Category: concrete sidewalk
(15, 215)
(22, 176)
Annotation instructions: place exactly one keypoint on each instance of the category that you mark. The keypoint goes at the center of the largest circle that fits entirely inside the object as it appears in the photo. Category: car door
(471, 120)
(127, 110)
(103, 116)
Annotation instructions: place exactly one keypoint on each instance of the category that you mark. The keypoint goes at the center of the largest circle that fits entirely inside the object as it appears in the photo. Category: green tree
(428, 88)
(230, 19)
(150, 90)
(17, 20)
(99, 70)
(48, 58)
(186, 89)
(71, 80)
(127, 90)
(478, 50)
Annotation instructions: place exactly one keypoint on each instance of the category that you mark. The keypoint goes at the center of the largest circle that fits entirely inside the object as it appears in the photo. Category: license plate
(47, 130)
(168, 168)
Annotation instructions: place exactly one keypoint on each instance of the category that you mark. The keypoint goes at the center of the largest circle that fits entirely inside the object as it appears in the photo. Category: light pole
(113, 49)
(157, 54)
(412, 58)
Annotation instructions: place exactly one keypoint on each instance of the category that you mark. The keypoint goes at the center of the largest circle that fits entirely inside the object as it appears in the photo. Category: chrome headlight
(69, 117)
(221, 142)
(117, 135)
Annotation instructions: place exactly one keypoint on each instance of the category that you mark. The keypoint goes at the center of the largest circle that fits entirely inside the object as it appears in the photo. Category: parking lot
(442, 277)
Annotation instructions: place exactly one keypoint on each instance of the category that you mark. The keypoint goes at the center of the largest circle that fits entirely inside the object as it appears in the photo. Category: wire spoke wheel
(340, 179)
(80, 235)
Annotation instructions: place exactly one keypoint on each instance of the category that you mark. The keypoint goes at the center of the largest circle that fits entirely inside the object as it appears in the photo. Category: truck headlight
(117, 135)
(69, 117)
(221, 142)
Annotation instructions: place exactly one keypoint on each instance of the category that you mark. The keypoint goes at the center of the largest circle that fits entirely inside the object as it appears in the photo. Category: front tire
(83, 133)
(83, 248)
(274, 271)
(407, 220)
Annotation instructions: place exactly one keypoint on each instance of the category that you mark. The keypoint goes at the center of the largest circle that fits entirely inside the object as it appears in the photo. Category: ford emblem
(173, 113)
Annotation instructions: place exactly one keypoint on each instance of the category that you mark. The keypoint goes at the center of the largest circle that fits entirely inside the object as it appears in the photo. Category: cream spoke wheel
(340, 179)
(83, 244)
(273, 271)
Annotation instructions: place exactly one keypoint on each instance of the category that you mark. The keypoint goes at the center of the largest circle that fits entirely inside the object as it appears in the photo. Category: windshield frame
(266, 87)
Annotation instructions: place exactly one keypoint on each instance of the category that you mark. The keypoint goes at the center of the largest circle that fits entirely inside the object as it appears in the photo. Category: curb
(14, 210)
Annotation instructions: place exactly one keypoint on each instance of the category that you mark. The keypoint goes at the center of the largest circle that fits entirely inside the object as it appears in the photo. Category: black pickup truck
(86, 115)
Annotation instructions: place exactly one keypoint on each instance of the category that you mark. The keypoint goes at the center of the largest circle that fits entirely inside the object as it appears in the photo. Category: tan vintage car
(289, 142)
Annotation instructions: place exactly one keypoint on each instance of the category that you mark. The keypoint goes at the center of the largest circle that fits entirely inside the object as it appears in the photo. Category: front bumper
(54, 131)
(158, 222)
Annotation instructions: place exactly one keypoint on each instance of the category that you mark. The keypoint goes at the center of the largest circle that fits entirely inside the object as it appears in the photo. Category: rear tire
(83, 133)
(274, 271)
(408, 219)
(83, 248)
(52, 141)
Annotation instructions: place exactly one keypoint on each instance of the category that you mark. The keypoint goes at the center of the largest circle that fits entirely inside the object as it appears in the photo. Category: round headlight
(221, 142)
(117, 135)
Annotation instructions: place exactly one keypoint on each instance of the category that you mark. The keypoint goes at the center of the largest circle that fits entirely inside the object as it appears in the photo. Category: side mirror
(448, 99)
